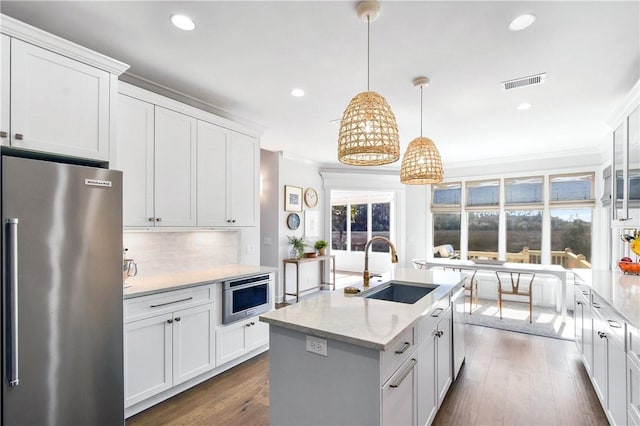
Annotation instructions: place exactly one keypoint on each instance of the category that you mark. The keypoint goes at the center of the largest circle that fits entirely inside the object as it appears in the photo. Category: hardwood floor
(508, 378)
(513, 378)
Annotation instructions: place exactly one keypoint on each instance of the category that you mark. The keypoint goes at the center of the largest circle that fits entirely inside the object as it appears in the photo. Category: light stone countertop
(143, 286)
(364, 322)
(621, 291)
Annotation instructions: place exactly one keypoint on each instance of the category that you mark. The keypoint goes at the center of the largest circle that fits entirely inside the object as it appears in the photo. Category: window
(380, 225)
(483, 233)
(446, 229)
(359, 227)
(571, 188)
(483, 193)
(446, 194)
(571, 237)
(358, 216)
(523, 190)
(524, 236)
(339, 227)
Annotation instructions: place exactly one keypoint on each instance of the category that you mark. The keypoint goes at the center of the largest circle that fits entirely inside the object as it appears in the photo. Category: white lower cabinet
(600, 337)
(240, 338)
(583, 324)
(166, 350)
(633, 390)
(399, 396)
(435, 372)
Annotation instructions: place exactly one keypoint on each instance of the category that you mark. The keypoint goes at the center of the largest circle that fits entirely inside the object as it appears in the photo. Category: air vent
(524, 81)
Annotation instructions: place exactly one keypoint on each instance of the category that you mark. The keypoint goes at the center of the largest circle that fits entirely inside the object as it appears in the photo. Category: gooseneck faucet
(394, 257)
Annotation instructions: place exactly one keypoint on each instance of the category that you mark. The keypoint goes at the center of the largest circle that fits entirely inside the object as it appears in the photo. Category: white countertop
(621, 291)
(365, 322)
(142, 286)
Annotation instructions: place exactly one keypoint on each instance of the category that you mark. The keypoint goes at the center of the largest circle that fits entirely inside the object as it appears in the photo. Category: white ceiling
(245, 57)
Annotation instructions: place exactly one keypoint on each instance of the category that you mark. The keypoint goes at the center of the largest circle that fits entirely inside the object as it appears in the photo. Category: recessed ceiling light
(522, 22)
(298, 93)
(183, 22)
(524, 106)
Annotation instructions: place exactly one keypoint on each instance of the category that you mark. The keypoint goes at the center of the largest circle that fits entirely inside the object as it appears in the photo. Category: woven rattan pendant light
(368, 130)
(421, 163)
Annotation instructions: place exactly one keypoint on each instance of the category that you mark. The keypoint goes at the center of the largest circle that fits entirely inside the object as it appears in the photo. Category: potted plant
(298, 246)
(321, 246)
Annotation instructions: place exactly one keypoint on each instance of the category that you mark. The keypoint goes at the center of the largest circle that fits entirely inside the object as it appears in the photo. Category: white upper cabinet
(212, 174)
(135, 157)
(5, 69)
(243, 182)
(175, 168)
(58, 105)
(56, 95)
(180, 169)
(157, 154)
(227, 170)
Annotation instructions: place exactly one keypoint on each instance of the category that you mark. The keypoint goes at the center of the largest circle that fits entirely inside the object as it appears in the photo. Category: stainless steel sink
(399, 291)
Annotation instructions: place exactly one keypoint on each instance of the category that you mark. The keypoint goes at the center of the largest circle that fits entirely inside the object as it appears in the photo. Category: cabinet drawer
(156, 304)
(398, 352)
(428, 323)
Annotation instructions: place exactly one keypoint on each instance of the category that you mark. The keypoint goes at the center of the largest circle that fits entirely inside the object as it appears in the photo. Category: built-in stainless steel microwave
(245, 297)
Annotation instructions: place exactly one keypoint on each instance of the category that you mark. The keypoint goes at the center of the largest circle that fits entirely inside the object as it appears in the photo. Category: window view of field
(359, 226)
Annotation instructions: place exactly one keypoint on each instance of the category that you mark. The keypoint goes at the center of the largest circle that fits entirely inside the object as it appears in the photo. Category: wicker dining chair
(470, 283)
(516, 284)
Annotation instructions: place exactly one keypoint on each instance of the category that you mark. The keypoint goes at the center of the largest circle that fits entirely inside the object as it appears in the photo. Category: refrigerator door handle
(12, 300)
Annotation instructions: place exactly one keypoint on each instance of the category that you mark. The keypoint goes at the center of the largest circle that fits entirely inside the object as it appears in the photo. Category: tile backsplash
(158, 253)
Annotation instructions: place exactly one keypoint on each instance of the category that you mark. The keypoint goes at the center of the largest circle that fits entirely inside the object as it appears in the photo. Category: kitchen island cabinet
(379, 359)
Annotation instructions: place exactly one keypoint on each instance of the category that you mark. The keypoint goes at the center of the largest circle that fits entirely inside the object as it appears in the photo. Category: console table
(297, 262)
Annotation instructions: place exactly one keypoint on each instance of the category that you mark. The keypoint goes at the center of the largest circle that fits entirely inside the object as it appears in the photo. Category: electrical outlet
(317, 345)
(267, 241)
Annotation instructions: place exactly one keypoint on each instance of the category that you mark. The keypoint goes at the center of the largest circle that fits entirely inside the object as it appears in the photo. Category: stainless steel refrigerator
(61, 294)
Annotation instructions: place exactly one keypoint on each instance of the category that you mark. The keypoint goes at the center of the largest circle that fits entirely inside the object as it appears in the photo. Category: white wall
(278, 170)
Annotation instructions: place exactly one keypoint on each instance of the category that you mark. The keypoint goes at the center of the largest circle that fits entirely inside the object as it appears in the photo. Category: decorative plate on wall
(293, 221)
(310, 197)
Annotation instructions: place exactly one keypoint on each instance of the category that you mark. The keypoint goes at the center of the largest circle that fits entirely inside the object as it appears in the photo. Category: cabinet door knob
(152, 219)
(233, 221)
(158, 219)
(247, 325)
(19, 136)
(169, 321)
(602, 335)
(3, 134)
(177, 319)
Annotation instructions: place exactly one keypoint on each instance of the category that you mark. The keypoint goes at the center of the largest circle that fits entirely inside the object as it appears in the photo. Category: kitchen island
(343, 359)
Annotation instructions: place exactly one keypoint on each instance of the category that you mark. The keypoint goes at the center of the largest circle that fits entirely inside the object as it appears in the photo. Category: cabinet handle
(177, 319)
(3, 134)
(413, 363)
(152, 219)
(439, 333)
(233, 221)
(169, 321)
(439, 311)
(250, 324)
(585, 292)
(404, 348)
(579, 303)
(19, 136)
(228, 220)
(595, 305)
(614, 324)
(158, 219)
(253, 323)
(170, 303)
(602, 335)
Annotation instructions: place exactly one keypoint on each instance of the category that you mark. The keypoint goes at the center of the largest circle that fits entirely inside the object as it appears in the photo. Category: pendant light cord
(421, 87)
(368, 47)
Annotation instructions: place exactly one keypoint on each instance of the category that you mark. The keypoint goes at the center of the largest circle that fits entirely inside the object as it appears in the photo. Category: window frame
(584, 202)
(526, 205)
(481, 207)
